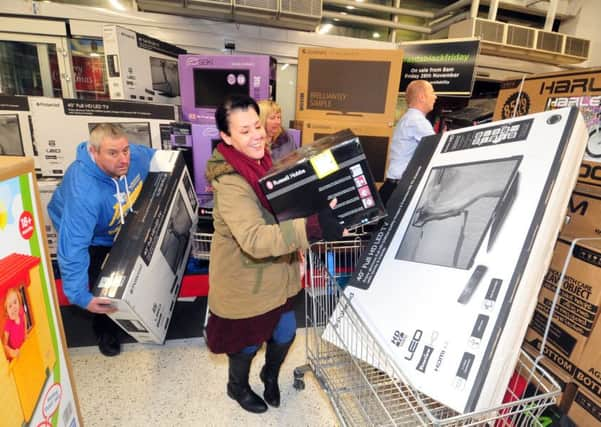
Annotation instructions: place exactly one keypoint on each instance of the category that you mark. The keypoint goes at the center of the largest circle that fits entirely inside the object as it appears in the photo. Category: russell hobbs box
(143, 272)
(305, 181)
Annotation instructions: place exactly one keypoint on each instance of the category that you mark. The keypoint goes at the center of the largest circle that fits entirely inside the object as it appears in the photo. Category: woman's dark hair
(233, 103)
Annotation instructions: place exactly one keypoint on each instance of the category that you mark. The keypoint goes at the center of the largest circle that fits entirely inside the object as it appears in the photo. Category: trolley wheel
(299, 383)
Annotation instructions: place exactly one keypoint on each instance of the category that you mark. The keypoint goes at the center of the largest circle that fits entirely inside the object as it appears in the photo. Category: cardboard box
(588, 368)
(353, 86)
(375, 141)
(590, 174)
(457, 265)
(15, 128)
(36, 384)
(577, 311)
(580, 88)
(585, 410)
(305, 181)
(206, 80)
(584, 212)
(143, 272)
(59, 125)
(563, 378)
(140, 68)
(46, 186)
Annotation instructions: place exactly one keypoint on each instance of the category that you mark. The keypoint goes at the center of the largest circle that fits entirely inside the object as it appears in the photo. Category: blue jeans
(283, 333)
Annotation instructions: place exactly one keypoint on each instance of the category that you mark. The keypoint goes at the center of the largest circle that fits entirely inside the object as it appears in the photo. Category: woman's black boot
(274, 357)
(237, 386)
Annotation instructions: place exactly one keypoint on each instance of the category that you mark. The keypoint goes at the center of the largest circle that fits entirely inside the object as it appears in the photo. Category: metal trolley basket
(364, 395)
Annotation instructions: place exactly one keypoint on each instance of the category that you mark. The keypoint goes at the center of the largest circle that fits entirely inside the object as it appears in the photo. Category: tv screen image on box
(375, 149)
(455, 210)
(212, 86)
(332, 81)
(177, 234)
(165, 78)
(137, 132)
(11, 143)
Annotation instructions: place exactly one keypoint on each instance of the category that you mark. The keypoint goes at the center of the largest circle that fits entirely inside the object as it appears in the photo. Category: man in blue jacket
(88, 210)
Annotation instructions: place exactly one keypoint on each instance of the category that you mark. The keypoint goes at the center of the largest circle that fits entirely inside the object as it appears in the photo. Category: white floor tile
(182, 383)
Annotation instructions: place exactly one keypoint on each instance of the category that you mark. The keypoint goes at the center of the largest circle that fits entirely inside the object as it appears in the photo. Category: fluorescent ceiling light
(325, 28)
(117, 5)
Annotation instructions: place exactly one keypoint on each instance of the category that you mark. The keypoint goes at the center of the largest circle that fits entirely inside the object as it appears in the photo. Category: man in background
(409, 130)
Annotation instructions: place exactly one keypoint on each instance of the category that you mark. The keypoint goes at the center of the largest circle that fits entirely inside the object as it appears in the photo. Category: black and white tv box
(143, 272)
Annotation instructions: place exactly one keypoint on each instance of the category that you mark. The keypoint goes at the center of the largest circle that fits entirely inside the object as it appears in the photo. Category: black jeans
(387, 189)
(101, 323)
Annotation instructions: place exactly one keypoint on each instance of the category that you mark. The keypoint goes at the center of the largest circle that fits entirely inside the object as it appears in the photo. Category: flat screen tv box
(305, 181)
(143, 272)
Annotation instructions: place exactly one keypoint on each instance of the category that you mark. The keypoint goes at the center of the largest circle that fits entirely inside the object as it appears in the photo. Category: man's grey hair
(106, 130)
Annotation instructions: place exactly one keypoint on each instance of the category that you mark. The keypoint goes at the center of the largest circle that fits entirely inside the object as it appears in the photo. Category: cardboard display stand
(140, 68)
(143, 272)
(15, 128)
(306, 180)
(36, 383)
(375, 141)
(59, 125)
(450, 281)
(579, 88)
(353, 86)
(206, 80)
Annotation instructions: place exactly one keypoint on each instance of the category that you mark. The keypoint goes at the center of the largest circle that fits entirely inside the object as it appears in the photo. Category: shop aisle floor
(183, 384)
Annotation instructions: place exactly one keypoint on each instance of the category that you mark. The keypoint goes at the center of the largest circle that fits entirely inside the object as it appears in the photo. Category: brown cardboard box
(577, 310)
(590, 173)
(584, 212)
(375, 140)
(348, 85)
(562, 377)
(588, 369)
(585, 410)
(542, 92)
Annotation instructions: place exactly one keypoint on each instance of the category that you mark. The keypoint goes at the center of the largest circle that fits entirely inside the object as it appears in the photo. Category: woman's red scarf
(250, 169)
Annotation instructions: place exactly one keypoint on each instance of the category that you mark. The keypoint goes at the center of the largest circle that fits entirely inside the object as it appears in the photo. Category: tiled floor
(182, 383)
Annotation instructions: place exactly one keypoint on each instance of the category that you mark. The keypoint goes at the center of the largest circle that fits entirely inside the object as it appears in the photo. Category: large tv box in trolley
(450, 281)
(143, 272)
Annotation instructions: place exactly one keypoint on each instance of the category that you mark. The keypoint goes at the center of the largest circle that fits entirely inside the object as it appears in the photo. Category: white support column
(551, 12)
(492, 10)
(474, 8)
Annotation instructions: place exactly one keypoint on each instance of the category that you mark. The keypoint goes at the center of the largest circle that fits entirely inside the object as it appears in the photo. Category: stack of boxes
(573, 345)
(349, 88)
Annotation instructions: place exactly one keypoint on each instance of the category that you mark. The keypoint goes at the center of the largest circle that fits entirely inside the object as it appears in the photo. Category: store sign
(448, 65)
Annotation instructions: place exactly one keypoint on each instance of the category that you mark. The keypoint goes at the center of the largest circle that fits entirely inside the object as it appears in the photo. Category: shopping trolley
(201, 245)
(377, 393)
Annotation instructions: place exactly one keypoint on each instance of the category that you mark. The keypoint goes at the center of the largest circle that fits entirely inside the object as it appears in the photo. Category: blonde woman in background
(280, 143)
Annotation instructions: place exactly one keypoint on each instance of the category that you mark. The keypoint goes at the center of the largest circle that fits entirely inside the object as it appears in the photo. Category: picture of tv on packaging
(212, 86)
(458, 206)
(165, 78)
(11, 143)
